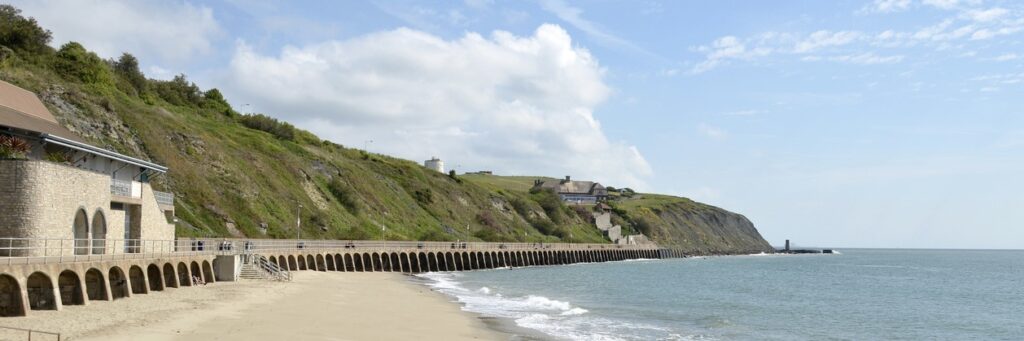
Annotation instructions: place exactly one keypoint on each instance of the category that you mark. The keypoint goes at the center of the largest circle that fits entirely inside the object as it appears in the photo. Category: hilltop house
(578, 192)
(56, 187)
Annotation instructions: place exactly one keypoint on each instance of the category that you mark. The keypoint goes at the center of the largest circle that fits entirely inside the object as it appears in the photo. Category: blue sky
(892, 123)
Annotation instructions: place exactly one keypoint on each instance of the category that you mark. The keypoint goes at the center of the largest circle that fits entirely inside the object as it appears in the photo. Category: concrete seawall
(49, 283)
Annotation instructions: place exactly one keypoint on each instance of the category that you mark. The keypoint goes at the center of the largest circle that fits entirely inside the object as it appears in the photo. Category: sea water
(855, 295)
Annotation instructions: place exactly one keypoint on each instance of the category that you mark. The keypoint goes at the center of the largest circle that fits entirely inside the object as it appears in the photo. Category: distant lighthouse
(435, 164)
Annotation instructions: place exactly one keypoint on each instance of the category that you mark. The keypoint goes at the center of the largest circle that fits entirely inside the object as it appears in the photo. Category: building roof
(571, 187)
(21, 109)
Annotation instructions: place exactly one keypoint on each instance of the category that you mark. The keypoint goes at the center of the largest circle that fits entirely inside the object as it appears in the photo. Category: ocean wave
(554, 317)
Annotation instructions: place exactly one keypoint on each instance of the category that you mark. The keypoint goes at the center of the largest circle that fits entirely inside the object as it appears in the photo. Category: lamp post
(298, 222)
(365, 145)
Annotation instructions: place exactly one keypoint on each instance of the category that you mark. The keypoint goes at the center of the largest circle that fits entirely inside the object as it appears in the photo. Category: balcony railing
(164, 198)
(121, 187)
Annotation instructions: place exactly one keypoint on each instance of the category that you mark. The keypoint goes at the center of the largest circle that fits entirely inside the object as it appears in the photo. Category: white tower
(435, 164)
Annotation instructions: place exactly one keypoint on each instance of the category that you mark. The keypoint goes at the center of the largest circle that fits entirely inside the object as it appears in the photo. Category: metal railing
(30, 332)
(164, 198)
(267, 269)
(121, 187)
(29, 250)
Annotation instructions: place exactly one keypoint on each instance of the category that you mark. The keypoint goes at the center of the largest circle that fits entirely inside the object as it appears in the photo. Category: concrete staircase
(603, 221)
(258, 267)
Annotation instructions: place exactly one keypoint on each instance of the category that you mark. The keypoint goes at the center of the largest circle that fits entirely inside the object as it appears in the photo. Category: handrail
(30, 331)
(41, 250)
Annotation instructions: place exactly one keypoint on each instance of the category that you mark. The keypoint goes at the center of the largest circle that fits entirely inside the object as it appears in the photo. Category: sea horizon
(729, 310)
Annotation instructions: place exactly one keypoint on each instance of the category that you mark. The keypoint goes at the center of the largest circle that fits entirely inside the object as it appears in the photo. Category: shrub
(644, 226)
(178, 91)
(551, 204)
(20, 33)
(127, 67)
(281, 130)
(345, 195)
(583, 213)
(521, 207)
(424, 196)
(74, 62)
(486, 219)
(12, 147)
(451, 174)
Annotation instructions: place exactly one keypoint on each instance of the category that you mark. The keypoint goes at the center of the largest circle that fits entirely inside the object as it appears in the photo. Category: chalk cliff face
(691, 226)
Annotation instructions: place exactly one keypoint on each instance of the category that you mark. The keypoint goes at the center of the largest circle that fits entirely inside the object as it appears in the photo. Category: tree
(76, 63)
(20, 33)
(128, 68)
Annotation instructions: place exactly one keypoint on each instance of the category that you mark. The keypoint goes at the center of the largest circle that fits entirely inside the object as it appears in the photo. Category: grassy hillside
(670, 221)
(233, 173)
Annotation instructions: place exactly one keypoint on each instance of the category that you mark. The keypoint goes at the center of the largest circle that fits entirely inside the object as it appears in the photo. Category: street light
(298, 222)
(365, 143)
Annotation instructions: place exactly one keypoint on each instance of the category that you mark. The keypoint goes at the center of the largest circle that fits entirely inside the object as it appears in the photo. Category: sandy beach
(315, 306)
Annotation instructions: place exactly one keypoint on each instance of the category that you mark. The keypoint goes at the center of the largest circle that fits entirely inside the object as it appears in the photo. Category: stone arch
(457, 261)
(282, 262)
(99, 233)
(358, 262)
(70, 288)
(407, 263)
(367, 263)
(310, 263)
(10, 297)
(339, 262)
(466, 263)
(95, 285)
(349, 265)
(396, 262)
(414, 262)
(80, 231)
(169, 276)
(118, 283)
(40, 292)
(321, 263)
(385, 262)
(302, 262)
(431, 262)
(208, 272)
(442, 261)
(155, 278)
(137, 279)
(292, 265)
(330, 262)
(183, 277)
(377, 266)
(273, 259)
(421, 262)
(196, 271)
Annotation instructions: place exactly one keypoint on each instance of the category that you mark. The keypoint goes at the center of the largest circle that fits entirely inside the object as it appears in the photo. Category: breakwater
(48, 274)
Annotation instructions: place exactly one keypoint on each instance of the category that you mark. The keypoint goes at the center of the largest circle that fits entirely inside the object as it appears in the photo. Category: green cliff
(246, 175)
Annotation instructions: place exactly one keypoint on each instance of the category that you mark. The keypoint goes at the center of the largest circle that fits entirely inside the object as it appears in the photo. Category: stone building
(435, 164)
(577, 192)
(61, 196)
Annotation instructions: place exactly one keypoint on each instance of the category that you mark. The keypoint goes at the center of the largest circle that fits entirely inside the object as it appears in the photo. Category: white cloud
(943, 4)
(986, 15)
(169, 31)
(710, 131)
(820, 39)
(868, 58)
(887, 6)
(574, 16)
(516, 105)
(1006, 57)
(724, 49)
